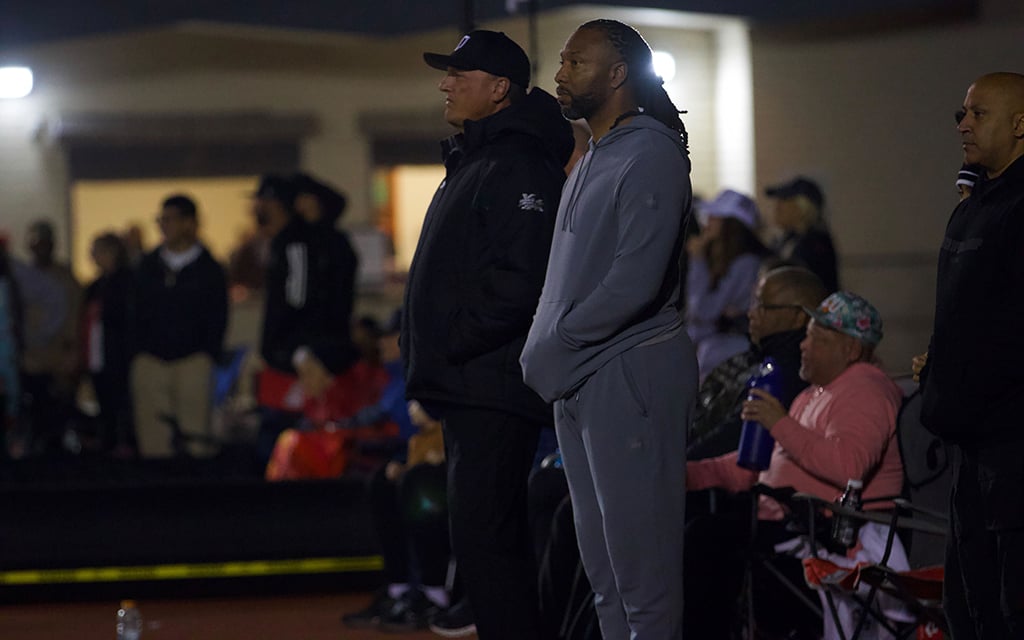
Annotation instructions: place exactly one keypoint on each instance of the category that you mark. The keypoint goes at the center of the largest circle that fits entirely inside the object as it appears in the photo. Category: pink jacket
(844, 430)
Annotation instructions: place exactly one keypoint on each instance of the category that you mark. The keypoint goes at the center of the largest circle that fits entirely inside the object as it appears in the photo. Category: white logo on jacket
(530, 202)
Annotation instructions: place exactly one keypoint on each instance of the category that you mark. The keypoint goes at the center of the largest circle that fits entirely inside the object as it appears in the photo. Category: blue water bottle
(756, 444)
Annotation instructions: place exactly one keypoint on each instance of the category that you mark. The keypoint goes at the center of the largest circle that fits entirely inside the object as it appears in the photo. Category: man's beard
(582, 106)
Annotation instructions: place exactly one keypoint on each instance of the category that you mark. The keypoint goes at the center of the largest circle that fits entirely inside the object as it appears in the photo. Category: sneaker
(455, 621)
(411, 612)
(370, 617)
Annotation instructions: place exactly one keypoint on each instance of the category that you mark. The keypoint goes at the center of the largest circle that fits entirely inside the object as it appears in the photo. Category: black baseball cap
(798, 186)
(332, 201)
(276, 187)
(490, 51)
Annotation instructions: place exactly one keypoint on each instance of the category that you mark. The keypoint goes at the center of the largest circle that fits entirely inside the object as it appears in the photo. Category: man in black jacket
(180, 316)
(973, 381)
(310, 288)
(471, 294)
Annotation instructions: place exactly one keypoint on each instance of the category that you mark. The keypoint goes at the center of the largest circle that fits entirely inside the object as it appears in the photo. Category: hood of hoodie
(618, 134)
(537, 116)
(641, 121)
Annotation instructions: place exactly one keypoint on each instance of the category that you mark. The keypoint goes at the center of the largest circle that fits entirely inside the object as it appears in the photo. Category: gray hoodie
(613, 274)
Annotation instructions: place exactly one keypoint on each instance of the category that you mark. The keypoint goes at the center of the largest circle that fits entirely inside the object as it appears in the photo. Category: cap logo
(462, 42)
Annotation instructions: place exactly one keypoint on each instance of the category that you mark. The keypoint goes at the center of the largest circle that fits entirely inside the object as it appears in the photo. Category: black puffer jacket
(480, 263)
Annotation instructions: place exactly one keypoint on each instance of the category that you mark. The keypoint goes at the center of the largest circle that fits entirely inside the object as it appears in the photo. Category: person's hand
(393, 470)
(917, 364)
(314, 376)
(764, 408)
(419, 416)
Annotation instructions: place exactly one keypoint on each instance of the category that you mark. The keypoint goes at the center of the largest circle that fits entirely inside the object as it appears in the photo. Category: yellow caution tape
(241, 569)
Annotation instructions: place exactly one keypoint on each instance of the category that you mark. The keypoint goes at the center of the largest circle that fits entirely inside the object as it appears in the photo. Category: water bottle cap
(855, 484)
(127, 604)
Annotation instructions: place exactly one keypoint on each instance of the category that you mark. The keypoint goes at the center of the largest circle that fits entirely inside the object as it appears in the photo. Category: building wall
(34, 178)
(872, 119)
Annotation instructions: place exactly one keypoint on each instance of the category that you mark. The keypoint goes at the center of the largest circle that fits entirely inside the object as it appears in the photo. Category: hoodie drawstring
(577, 187)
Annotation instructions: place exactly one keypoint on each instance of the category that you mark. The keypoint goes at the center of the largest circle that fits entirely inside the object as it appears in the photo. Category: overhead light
(664, 65)
(15, 82)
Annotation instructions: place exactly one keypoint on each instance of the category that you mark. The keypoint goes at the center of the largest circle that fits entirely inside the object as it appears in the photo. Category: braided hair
(647, 85)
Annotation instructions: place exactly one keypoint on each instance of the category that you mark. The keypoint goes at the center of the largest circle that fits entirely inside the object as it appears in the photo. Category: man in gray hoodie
(607, 344)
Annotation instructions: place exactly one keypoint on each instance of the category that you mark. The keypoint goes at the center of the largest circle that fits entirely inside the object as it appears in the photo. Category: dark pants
(50, 408)
(715, 558)
(566, 597)
(983, 588)
(410, 516)
(563, 584)
(548, 487)
(489, 458)
(116, 422)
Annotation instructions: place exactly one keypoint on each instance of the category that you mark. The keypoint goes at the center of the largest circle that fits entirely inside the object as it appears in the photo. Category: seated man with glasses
(777, 323)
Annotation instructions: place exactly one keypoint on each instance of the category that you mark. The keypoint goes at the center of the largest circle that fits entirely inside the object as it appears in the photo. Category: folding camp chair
(920, 522)
(918, 590)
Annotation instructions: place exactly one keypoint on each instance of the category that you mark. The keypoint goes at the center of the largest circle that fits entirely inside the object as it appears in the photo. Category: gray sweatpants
(623, 442)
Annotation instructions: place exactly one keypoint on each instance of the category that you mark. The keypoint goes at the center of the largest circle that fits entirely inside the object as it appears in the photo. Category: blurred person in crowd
(973, 382)
(10, 346)
(805, 240)
(309, 287)
(106, 342)
(49, 364)
(133, 247)
(608, 345)
(322, 206)
(247, 264)
(407, 495)
(472, 290)
(179, 321)
(724, 262)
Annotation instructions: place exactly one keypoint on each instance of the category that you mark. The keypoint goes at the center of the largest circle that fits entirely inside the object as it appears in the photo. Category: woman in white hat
(725, 259)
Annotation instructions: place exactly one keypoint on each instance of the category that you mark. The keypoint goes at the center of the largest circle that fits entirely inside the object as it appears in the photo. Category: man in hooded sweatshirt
(472, 289)
(608, 345)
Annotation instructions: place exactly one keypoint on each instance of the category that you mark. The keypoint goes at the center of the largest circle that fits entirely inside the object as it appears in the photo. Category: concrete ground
(303, 617)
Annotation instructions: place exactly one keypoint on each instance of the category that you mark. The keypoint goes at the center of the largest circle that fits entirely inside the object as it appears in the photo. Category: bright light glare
(664, 65)
(15, 82)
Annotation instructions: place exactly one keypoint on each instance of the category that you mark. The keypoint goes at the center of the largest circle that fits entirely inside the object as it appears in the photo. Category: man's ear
(499, 92)
(854, 350)
(1018, 125)
(618, 74)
